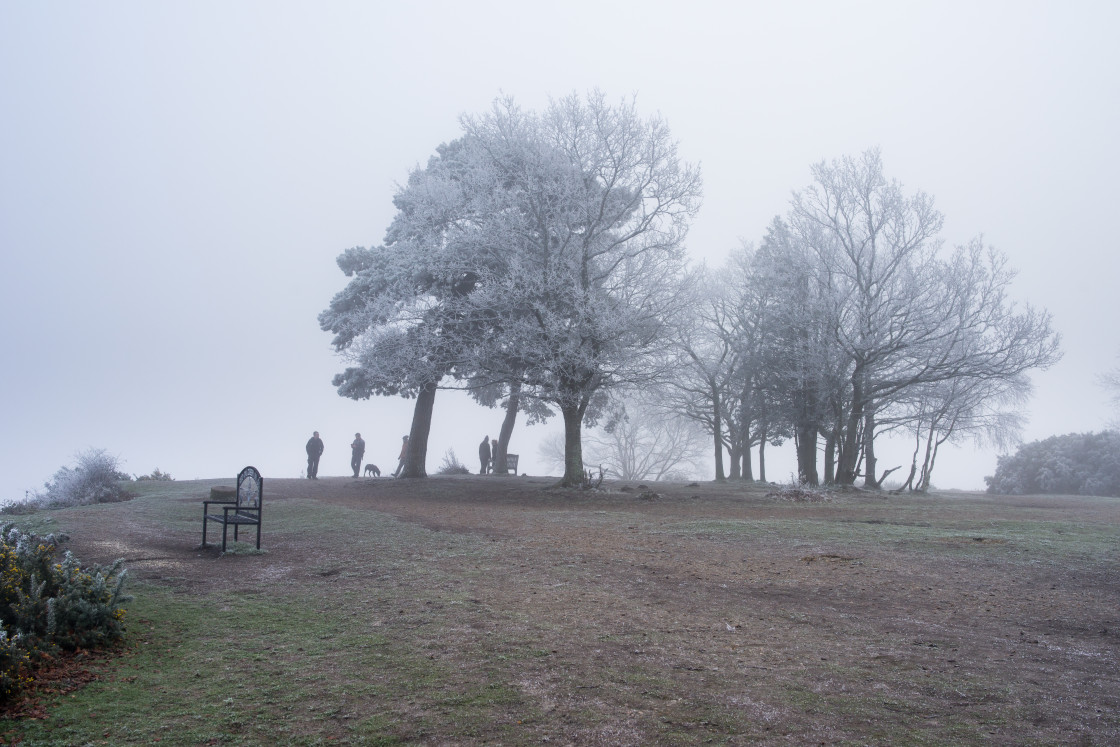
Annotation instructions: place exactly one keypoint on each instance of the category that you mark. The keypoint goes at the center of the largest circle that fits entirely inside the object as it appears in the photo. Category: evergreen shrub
(46, 606)
(1073, 464)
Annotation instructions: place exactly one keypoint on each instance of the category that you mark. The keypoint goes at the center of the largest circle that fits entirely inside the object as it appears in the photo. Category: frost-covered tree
(538, 253)
(888, 312)
(402, 320)
(755, 416)
(704, 365)
(641, 440)
(874, 249)
(799, 366)
(983, 410)
(596, 205)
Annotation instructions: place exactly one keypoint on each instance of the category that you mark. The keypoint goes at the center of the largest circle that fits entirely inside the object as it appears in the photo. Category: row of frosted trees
(850, 320)
(537, 262)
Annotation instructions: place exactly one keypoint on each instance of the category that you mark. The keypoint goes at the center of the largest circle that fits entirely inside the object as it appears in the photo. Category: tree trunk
(870, 463)
(927, 464)
(573, 447)
(847, 466)
(830, 458)
(736, 460)
(762, 458)
(927, 472)
(745, 439)
(909, 484)
(414, 464)
(717, 433)
(806, 437)
(502, 446)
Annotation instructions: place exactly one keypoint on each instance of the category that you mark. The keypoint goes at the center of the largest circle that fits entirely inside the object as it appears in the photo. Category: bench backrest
(250, 488)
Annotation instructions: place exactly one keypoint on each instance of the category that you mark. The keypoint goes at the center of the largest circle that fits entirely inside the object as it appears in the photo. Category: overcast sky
(177, 178)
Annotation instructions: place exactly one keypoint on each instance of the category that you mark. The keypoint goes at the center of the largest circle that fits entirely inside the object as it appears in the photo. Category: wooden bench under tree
(243, 510)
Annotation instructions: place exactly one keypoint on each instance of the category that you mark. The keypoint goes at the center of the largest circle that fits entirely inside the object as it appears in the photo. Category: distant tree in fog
(643, 441)
(1111, 382)
(638, 440)
(703, 368)
(979, 409)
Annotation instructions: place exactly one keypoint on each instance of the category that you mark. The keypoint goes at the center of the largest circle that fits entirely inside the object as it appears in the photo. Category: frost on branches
(537, 253)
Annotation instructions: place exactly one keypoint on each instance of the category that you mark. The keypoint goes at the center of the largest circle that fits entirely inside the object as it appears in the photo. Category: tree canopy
(851, 320)
(537, 261)
(537, 252)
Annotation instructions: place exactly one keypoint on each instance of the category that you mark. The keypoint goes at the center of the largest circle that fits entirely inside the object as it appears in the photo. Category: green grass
(251, 668)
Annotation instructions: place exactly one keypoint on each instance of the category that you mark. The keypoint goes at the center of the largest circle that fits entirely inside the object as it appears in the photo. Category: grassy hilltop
(468, 610)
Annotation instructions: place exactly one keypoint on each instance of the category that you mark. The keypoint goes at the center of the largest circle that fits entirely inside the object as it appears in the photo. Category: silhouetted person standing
(484, 454)
(314, 451)
(357, 451)
(403, 456)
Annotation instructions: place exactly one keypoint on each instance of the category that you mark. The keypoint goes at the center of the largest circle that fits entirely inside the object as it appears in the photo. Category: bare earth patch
(695, 613)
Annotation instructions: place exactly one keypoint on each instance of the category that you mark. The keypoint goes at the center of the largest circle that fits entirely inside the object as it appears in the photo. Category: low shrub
(156, 475)
(95, 479)
(46, 606)
(451, 465)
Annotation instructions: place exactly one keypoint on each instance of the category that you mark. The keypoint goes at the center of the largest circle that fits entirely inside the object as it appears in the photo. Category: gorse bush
(48, 605)
(15, 666)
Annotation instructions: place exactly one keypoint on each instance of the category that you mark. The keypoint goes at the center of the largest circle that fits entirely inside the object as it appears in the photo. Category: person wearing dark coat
(357, 451)
(484, 454)
(314, 451)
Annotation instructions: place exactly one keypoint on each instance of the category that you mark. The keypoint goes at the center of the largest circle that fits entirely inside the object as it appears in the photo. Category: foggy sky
(176, 180)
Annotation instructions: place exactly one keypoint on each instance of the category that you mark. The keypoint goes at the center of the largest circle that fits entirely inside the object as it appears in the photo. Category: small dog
(372, 470)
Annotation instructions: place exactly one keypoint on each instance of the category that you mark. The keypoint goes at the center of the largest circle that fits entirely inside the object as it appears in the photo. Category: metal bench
(243, 510)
